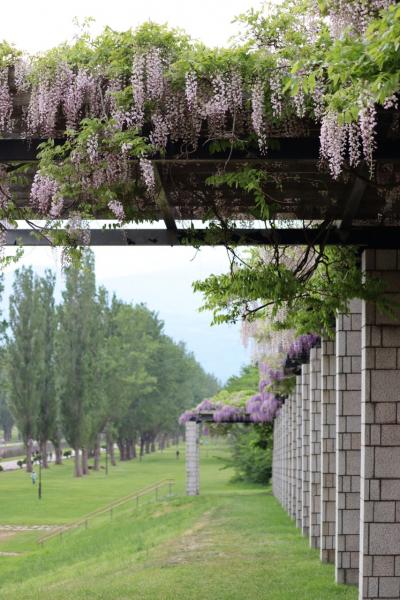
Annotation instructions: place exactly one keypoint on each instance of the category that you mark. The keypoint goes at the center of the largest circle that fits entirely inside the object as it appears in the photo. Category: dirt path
(16, 528)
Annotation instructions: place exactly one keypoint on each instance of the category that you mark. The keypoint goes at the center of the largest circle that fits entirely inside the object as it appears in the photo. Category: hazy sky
(40, 24)
(160, 277)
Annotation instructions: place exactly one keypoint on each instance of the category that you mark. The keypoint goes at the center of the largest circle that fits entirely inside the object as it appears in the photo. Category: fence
(155, 489)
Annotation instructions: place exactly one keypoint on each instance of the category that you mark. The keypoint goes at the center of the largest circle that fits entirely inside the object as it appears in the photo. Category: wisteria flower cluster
(206, 405)
(303, 344)
(153, 91)
(188, 415)
(263, 407)
(228, 413)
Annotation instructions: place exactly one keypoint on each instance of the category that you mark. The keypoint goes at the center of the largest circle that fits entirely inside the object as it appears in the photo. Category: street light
(40, 478)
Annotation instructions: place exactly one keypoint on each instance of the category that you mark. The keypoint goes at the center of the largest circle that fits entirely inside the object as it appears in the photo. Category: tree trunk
(97, 454)
(152, 446)
(85, 469)
(58, 453)
(111, 452)
(131, 449)
(28, 448)
(122, 450)
(147, 445)
(7, 433)
(141, 447)
(43, 452)
(78, 470)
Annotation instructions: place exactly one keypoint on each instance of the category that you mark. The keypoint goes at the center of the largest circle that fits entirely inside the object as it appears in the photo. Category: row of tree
(92, 368)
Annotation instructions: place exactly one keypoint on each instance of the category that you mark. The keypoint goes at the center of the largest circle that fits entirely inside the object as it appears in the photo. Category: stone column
(192, 459)
(291, 439)
(299, 494)
(380, 436)
(288, 486)
(284, 457)
(315, 447)
(293, 411)
(348, 426)
(328, 455)
(280, 459)
(305, 431)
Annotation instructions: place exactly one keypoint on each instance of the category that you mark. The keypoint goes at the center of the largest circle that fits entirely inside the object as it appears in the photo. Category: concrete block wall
(315, 447)
(305, 460)
(293, 412)
(192, 458)
(328, 451)
(299, 506)
(344, 435)
(348, 442)
(380, 435)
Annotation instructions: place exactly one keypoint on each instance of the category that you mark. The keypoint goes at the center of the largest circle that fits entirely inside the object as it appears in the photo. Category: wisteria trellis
(179, 93)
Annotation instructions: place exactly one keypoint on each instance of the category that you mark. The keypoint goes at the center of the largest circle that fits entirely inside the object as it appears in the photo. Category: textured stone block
(387, 462)
(390, 489)
(390, 435)
(383, 566)
(385, 386)
(384, 538)
(384, 512)
(385, 412)
(389, 587)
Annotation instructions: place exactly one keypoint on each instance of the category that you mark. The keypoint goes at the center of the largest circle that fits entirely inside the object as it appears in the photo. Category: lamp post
(40, 478)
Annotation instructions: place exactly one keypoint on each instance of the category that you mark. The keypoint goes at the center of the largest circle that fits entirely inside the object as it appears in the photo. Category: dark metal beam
(366, 237)
(307, 148)
(208, 418)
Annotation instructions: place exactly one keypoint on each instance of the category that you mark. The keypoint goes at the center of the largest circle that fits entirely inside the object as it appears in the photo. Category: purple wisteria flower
(228, 413)
(263, 407)
(205, 405)
(303, 344)
(188, 415)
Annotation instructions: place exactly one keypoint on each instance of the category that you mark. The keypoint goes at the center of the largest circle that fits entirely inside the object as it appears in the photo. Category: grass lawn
(234, 542)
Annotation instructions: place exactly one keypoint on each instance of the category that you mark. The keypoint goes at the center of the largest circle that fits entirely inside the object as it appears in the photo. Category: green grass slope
(233, 542)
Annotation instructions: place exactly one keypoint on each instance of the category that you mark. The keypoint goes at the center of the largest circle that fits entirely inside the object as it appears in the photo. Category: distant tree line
(92, 368)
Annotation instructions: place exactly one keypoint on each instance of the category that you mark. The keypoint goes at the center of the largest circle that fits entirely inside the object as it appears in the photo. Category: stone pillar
(328, 455)
(192, 458)
(305, 431)
(299, 494)
(280, 458)
(284, 457)
(348, 426)
(287, 457)
(275, 460)
(293, 412)
(380, 436)
(315, 447)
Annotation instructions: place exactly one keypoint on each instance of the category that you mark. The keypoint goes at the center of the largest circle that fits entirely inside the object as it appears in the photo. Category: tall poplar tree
(46, 327)
(77, 357)
(23, 350)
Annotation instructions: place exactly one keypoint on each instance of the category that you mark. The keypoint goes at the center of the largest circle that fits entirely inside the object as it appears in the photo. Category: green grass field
(234, 542)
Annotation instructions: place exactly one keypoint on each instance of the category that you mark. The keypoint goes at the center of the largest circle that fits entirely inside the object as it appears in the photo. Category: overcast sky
(160, 277)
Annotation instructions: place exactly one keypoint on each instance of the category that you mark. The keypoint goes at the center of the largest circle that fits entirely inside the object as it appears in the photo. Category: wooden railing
(155, 489)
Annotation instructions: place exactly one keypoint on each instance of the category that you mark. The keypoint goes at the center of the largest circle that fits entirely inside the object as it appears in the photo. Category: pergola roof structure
(307, 205)
(208, 417)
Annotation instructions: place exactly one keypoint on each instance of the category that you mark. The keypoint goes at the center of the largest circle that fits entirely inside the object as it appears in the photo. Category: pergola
(192, 438)
(336, 465)
(307, 206)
